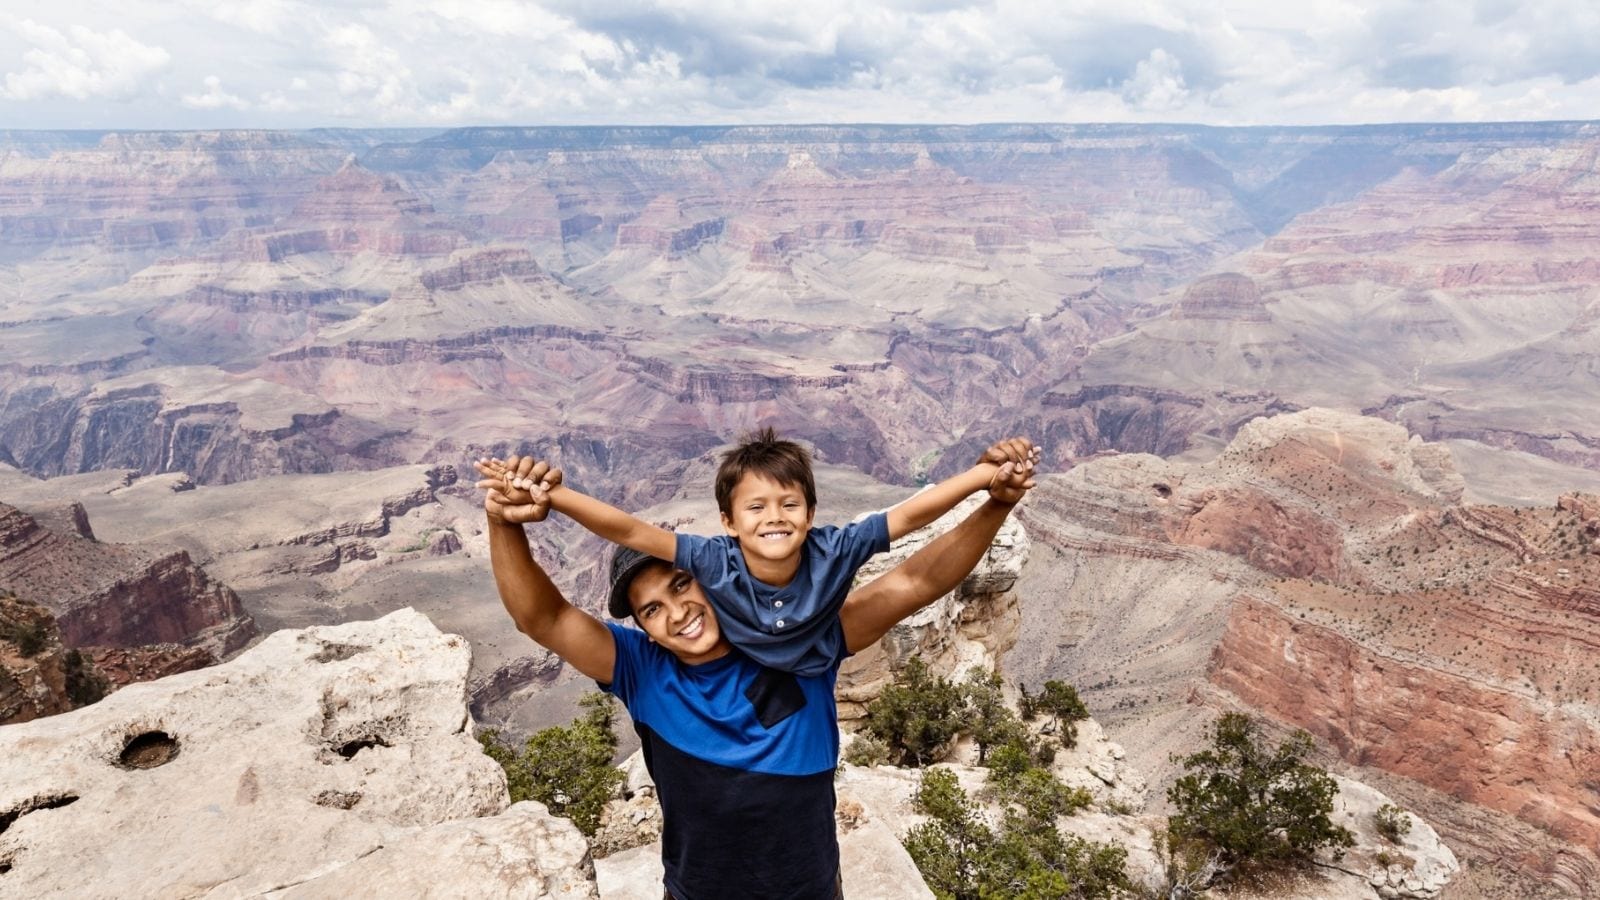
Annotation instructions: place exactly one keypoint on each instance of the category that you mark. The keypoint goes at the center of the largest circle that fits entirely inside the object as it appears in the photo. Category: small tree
(917, 716)
(568, 769)
(1257, 805)
(1061, 703)
(991, 721)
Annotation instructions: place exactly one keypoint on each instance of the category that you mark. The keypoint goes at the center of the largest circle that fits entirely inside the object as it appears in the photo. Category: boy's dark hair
(785, 462)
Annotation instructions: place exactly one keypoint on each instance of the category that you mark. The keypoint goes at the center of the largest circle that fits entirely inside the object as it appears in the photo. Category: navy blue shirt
(794, 628)
(743, 759)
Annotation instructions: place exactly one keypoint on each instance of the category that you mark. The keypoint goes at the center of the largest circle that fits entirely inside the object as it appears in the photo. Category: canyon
(1316, 404)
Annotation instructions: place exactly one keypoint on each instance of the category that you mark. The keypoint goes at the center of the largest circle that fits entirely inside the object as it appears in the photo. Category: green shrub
(567, 768)
(866, 750)
(1261, 807)
(990, 721)
(85, 684)
(28, 637)
(918, 716)
(962, 857)
(1392, 822)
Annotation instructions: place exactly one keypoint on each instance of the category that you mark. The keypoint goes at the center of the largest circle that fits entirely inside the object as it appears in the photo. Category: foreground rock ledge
(328, 762)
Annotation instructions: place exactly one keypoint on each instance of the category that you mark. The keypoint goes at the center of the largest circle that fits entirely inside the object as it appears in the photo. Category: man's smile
(693, 629)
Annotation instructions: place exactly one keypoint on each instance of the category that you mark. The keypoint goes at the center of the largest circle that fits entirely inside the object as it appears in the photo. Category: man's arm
(924, 507)
(935, 570)
(533, 600)
(597, 516)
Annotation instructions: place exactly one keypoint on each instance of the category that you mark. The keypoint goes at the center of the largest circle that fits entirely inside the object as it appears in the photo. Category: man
(742, 755)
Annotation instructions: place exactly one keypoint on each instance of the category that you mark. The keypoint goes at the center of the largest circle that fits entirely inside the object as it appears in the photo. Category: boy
(776, 582)
(744, 773)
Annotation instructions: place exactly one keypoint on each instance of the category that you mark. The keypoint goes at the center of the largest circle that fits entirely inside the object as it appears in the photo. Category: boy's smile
(770, 521)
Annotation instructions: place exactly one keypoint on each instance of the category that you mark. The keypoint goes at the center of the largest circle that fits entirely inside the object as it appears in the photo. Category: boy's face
(672, 609)
(770, 520)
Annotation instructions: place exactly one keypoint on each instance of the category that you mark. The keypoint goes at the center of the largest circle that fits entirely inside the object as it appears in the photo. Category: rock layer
(118, 596)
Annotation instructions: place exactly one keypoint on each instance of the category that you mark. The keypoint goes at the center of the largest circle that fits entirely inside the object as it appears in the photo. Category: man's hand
(1011, 481)
(1017, 450)
(517, 490)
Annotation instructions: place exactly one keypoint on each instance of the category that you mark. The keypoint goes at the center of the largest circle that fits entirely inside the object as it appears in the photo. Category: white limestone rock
(312, 750)
(1416, 868)
(522, 854)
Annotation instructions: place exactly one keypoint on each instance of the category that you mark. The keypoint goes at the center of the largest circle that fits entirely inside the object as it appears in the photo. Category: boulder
(333, 760)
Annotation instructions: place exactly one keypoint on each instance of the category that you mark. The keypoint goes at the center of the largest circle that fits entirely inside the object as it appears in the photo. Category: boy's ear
(727, 525)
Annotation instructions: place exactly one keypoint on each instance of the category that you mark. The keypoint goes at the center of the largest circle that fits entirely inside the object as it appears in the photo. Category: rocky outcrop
(1230, 296)
(972, 626)
(142, 428)
(1484, 740)
(115, 595)
(1322, 570)
(329, 762)
(39, 676)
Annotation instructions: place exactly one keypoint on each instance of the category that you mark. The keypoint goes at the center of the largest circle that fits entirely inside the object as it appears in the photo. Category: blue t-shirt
(794, 628)
(743, 759)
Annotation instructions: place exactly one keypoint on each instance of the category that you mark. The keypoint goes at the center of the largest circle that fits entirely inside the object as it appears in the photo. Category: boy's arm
(936, 569)
(536, 604)
(597, 516)
(924, 507)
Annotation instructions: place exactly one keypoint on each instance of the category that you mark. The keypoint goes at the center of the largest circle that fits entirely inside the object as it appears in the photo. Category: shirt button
(778, 603)
(780, 623)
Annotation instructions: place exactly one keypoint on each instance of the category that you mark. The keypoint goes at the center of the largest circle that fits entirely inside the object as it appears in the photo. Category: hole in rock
(49, 801)
(148, 750)
(1163, 491)
(336, 652)
(351, 748)
(5, 866)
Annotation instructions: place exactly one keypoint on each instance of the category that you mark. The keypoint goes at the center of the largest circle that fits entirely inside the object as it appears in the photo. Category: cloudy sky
(370, 63)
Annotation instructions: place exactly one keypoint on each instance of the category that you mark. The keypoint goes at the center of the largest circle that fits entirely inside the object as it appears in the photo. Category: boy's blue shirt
(794, 628)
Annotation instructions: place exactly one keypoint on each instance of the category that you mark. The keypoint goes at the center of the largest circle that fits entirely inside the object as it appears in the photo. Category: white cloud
(80, 63)
(214, 97)
(1157, 83)
(452, 62)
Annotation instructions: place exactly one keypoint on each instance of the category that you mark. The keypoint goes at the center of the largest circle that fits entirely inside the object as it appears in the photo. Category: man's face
(672, 609)
(770, 520)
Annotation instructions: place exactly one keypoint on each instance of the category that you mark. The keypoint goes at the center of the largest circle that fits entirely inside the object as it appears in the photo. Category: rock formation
(330, 762)
(1322, 570)
(39, 676)
(367, 300)
(116, 596)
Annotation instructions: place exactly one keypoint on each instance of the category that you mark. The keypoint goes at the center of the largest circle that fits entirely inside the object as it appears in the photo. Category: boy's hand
(1011, 481)
(517, 489)
(1017, 450)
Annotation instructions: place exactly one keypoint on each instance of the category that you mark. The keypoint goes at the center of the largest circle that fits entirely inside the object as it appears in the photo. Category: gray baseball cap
(626, 562)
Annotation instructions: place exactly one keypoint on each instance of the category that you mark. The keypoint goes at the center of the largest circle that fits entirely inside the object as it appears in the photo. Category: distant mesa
(1229, 296)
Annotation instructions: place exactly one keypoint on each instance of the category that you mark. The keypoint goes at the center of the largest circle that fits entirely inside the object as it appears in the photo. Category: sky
(191, 64)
